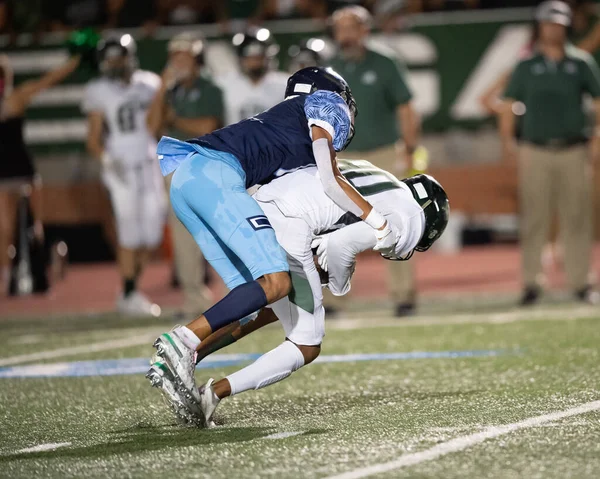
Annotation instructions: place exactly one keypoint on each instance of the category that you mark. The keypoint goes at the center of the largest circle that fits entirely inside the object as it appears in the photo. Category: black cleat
(588, 295)
(531, 295)
(404, 309)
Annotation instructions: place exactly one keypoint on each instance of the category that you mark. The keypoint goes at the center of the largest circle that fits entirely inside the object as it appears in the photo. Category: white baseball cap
(554, 11)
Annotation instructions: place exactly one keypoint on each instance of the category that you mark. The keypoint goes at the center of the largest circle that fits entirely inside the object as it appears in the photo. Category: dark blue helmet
(309, 80)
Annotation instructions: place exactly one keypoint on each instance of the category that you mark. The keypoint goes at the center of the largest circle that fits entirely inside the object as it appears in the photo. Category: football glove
(386, 239)
(320, 245)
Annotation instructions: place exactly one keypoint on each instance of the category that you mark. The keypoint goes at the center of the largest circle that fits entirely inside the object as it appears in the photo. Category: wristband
(375, 220)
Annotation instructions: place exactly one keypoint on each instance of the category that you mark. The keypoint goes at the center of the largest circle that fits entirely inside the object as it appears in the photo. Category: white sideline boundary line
(537, 314)
(464, 442)
(44, 447)
(141, 336)
(283, 435)
(146, 338)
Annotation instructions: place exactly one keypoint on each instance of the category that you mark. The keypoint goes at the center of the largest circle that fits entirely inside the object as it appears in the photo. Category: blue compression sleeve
(239, 303)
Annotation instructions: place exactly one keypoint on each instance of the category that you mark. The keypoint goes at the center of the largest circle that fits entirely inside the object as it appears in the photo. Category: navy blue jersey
(278, 140)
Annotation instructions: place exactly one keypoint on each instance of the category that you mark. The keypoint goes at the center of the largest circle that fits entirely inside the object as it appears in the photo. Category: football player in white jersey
(257, 86)
(304, 218)
(116, 104)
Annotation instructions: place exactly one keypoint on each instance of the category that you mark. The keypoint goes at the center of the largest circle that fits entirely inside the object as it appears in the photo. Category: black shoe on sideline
(531, 296)
(404, 309)
(588, 295)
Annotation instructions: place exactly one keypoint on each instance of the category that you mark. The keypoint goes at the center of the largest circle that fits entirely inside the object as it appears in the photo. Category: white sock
(188, 337)
(270, 368)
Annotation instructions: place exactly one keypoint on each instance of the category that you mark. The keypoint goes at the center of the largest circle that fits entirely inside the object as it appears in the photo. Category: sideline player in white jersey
(257, 86)
(116, 104)
(303, 218)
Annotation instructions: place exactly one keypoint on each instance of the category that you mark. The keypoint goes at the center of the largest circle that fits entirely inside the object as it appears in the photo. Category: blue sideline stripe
(114, 367)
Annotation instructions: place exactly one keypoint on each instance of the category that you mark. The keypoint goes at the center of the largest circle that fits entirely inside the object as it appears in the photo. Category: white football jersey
(124, 107)
(244, 99)
(300, 195)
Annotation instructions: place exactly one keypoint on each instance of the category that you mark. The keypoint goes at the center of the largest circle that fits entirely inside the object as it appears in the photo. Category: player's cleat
(160, 377)
(208, 402)
(136, 304)
(181, 361)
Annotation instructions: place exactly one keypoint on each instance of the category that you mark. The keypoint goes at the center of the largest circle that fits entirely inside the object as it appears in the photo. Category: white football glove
(386, 239)
(320, 243)
(114, 165)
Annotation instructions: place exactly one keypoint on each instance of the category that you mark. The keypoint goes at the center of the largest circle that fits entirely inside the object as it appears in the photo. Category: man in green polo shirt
(378, 83)
(555, 160)
(188, 104)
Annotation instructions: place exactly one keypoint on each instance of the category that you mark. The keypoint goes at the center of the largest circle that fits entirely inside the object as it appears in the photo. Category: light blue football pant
(208, 194)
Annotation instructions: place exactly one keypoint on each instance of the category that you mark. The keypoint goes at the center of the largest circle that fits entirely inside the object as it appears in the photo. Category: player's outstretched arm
(334, 183)
(343, 193)
(24, 93)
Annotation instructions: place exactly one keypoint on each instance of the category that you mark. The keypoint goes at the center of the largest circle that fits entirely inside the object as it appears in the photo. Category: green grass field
(337, 416)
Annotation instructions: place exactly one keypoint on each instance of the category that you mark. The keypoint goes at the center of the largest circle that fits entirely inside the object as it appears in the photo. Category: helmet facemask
(117, 59)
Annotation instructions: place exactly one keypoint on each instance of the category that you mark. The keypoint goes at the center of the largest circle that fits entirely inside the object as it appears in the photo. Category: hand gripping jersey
(124, 107)
(276, 142)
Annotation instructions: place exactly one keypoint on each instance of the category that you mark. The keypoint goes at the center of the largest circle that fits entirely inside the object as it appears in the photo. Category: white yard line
(536, 314)
(45, 447)
(138, 340)
(464, 442)
(283, 435)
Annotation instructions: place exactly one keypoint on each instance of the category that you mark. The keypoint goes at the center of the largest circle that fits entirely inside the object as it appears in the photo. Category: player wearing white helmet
(116, 104)
(305, 219)
(257, 86)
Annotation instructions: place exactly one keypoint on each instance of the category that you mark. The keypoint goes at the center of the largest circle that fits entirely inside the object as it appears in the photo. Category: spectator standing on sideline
(17, 170)
(379, 84)
(555, 162)
(188, 104)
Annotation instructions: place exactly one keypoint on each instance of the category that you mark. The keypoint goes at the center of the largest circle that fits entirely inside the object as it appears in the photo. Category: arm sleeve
(92, 99)
(397, 84)
(329, 111)
(591, 76)
(342, 248)
(514, 90)
(331, 187)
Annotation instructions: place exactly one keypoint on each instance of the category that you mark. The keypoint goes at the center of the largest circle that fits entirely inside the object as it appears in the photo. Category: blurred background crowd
(39, 16)
(496, 99)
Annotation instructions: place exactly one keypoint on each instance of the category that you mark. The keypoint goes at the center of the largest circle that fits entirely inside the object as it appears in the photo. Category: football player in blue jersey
(208, 194)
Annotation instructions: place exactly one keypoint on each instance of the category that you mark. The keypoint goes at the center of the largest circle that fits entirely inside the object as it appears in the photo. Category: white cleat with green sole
(181, 363)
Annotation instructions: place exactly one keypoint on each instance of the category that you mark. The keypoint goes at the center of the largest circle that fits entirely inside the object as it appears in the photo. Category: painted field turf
(326, 420)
